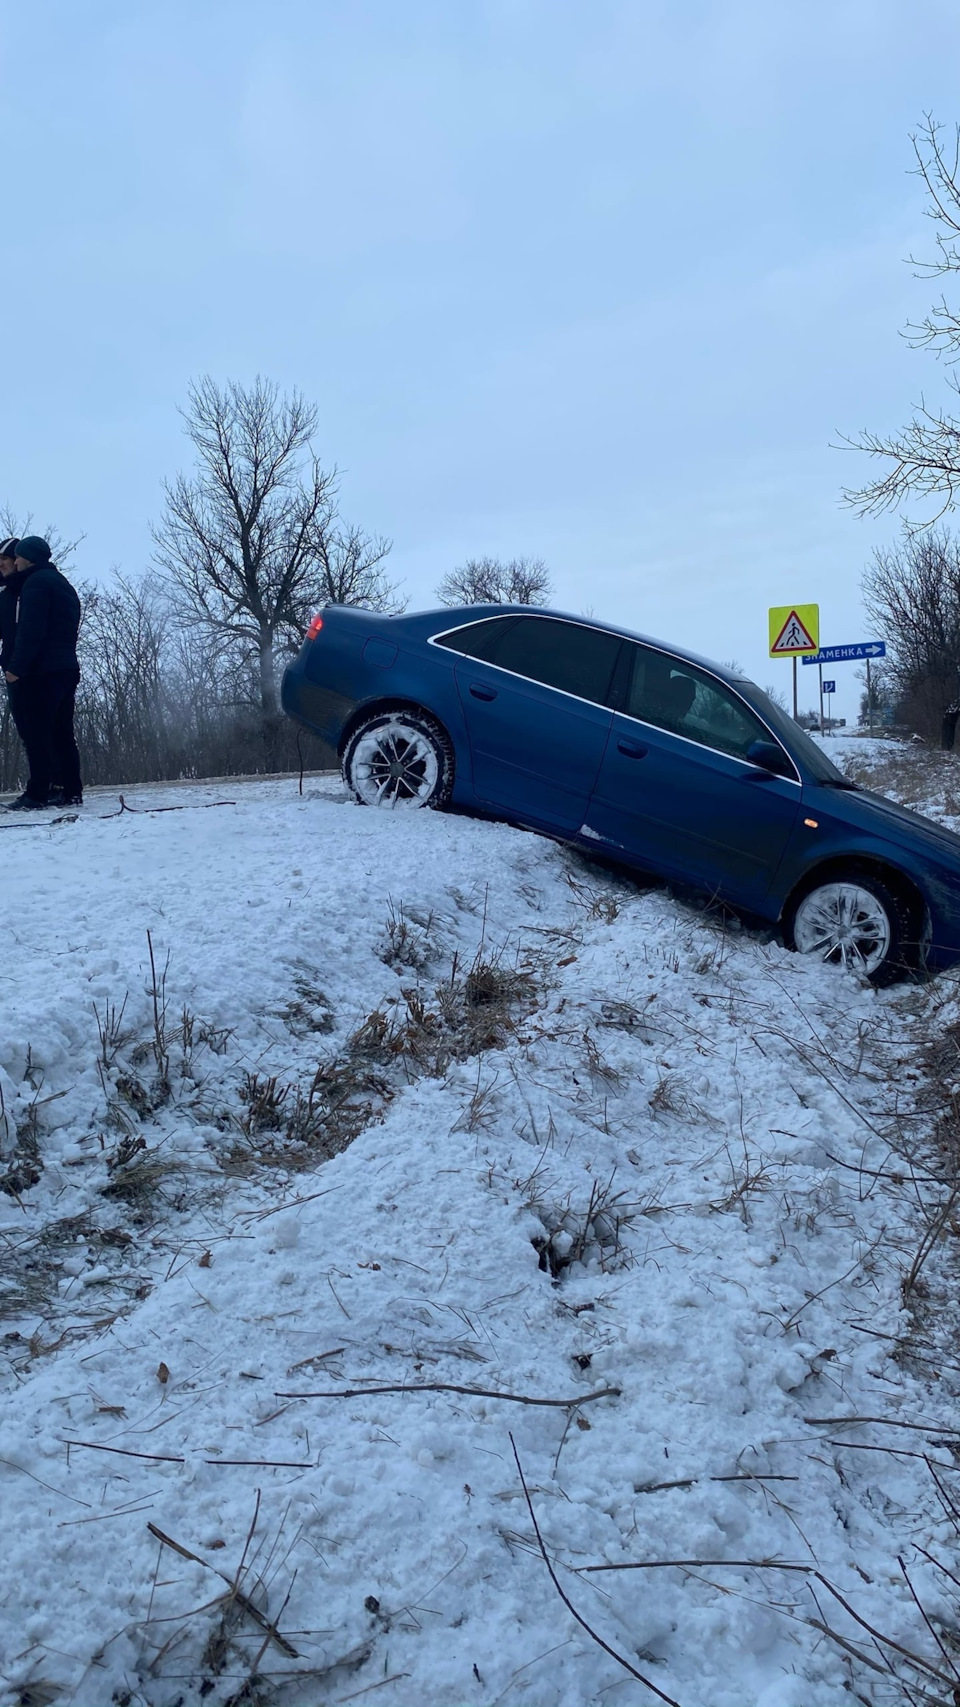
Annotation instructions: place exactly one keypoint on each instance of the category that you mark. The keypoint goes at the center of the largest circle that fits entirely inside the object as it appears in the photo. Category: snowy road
(663, 1169)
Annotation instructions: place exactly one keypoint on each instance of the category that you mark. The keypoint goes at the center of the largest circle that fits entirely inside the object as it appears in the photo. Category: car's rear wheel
(399, 759)
(855, 920)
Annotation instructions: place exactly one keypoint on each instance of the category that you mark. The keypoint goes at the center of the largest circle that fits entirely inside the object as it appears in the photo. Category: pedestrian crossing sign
(794, 629)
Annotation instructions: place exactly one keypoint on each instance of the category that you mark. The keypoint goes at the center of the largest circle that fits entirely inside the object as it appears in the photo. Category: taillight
(316, 623)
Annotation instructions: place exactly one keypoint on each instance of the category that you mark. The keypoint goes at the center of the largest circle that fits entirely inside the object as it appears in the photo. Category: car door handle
(481, 692)
(631, 749)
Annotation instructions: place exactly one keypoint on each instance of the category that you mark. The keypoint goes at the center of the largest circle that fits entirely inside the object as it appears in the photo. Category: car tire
(399, 760)
(854, 918)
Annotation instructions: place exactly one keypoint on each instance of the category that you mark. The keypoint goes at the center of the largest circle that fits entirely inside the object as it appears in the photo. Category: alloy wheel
(845, 924)
(395, 765)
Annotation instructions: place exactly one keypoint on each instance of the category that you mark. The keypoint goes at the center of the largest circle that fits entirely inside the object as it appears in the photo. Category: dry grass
(579, 1233)
(914, 775)
(418, 1035)
(410, 938)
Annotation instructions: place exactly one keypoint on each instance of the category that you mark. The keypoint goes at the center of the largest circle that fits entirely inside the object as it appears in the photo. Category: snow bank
(667, 1178)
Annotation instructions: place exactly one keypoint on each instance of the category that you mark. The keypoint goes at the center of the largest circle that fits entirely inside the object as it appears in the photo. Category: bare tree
(878, 705)
(253, 540)
(489, 581)
(922, 459)
(160, 699)
(912, 594)
(17, 526)
(128, 697)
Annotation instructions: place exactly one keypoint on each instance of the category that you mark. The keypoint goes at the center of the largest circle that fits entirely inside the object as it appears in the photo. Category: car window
(677, 696)
(566, 655)
(793, 737)
(477, 639)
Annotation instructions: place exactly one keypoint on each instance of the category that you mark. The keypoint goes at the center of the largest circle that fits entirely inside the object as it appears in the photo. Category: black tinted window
(561, 655)
(477, 639)
(679, 697)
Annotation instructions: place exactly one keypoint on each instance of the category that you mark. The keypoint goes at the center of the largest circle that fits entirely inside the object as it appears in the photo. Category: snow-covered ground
(626, 1209)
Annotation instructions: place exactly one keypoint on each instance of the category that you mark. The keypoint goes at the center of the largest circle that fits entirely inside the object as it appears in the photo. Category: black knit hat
(34, 549)
(9, 547)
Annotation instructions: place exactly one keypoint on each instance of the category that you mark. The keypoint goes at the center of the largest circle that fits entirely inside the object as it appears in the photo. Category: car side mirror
(767, 756)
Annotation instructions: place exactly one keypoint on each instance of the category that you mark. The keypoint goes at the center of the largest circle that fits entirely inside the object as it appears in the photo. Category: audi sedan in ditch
(636, 750)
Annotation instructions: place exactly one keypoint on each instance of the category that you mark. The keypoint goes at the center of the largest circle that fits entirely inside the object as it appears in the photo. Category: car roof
(448, 617)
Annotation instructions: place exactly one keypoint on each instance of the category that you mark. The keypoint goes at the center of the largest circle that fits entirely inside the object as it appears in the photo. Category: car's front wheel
(856, 921)
(399, 759)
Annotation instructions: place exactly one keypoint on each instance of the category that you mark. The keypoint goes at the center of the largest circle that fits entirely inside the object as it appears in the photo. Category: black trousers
(42, 710)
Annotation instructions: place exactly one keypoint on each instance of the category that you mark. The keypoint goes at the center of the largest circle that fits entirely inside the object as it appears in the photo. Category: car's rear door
(675, 790)
(536, 711)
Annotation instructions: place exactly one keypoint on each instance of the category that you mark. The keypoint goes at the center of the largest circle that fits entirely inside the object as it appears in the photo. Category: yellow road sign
(794, 629)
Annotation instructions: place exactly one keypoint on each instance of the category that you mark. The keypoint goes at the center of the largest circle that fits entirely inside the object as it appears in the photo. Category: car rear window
(568, 655)
(476, 639)
(577, 659)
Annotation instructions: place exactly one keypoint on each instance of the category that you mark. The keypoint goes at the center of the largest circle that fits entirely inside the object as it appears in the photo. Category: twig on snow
(393, 1678)
(48, 1485)
(778, 1565)
(838, 1282)
(147, 811)
(237, 1594)
(885, 1422)
(339, 1299)
(669, 1699)
(171, 1458)
(318, 1357)
(916, 1601)
(452, 1387)
(692, 1481)
(698, 1564)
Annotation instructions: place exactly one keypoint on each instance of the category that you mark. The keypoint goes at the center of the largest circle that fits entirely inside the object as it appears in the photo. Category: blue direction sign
(829, 687)
(846, 654)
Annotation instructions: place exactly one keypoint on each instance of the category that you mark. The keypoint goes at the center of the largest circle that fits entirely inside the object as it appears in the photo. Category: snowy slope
(650, 1156)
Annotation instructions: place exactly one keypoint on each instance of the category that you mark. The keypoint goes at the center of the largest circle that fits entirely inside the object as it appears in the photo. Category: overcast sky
(596, 281)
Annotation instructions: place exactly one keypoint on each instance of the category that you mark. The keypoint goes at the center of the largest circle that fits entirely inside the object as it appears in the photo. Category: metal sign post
(820, 674)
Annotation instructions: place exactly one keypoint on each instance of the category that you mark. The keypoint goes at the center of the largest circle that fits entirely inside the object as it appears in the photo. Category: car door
(536, 711)
(675, 790)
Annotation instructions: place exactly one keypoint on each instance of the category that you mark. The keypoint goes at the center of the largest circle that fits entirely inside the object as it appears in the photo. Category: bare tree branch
(62, 548)
(923, 458)
(489, 581)
(912, 595)
(252, 541)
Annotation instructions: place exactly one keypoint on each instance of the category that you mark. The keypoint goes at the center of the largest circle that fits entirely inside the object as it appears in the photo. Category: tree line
(181, 666)
(912, 587)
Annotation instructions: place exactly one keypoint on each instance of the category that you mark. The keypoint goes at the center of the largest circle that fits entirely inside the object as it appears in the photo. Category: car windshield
(795, 739)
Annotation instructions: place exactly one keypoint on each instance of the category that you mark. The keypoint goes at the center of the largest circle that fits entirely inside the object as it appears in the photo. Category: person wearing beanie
(32, 550)
(39, 658)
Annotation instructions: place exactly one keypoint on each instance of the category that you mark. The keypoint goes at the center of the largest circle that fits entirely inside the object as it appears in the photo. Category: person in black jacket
(8, 599)
(42, 673)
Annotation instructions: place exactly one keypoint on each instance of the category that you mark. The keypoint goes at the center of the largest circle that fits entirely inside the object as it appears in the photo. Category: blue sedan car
(636, 750)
